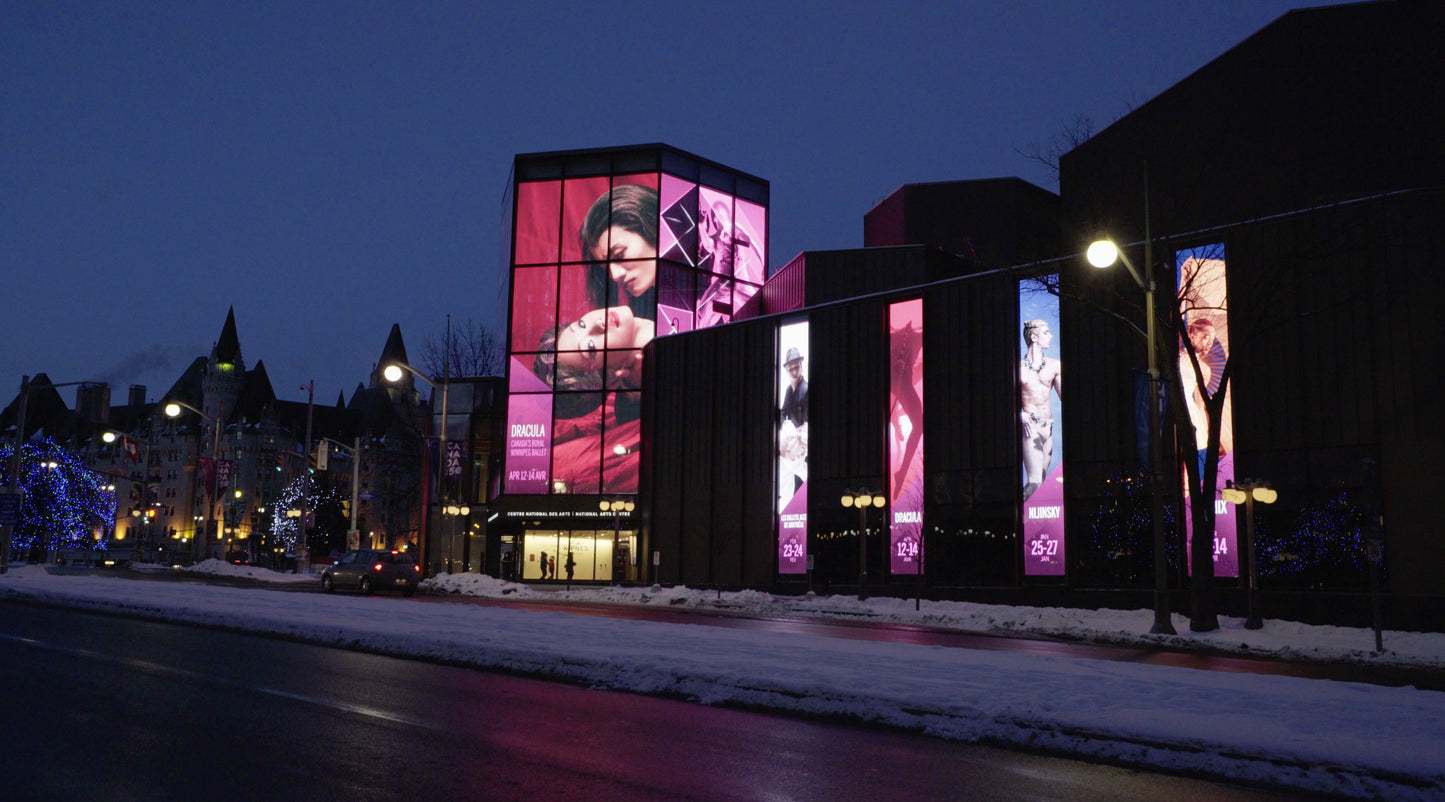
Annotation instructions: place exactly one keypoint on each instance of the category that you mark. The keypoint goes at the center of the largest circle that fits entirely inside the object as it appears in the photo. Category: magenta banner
(1040, 431)
(223, 475)
(792, 431)
(905, 436)
(793, 534)
(529, 442)
(1204, 310)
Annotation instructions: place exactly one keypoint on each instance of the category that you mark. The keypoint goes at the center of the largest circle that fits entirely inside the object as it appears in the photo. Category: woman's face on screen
(581, 344)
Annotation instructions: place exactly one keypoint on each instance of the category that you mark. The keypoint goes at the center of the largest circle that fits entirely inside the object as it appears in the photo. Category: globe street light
(1249, 491)
(126, 440)
(173, 410)
(453, 511)
(394, 373)
(616, 506)
(1101, 254)
(863, 499)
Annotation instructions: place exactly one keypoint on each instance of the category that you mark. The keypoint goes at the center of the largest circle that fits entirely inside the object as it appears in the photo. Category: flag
(453, 465)
(1141, 416)
(131, 448)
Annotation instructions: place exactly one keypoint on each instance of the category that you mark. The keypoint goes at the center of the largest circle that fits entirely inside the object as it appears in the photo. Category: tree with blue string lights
(66, 505)
(319, 499)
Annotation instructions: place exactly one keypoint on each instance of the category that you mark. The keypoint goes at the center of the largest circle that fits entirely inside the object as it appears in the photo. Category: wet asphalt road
(105, 707)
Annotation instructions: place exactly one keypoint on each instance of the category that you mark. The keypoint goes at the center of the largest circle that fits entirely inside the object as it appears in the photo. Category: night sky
(329, 169)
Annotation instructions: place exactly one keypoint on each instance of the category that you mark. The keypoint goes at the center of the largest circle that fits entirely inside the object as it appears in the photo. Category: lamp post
(1102, 254)
(452, 511)
(300, 517)
(862, 499)
(173, 410)
(393, 373)
(1249, 491)
(355, 451)
(111, 437)
(616, 506)
(303, 550)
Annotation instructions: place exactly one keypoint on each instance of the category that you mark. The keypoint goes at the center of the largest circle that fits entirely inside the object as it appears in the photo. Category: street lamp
(1102, 254)
(863, 499)
(1249, 491)
(111, 437)
(173, 410)
(452, 511)
(616, 506)
(394, 373)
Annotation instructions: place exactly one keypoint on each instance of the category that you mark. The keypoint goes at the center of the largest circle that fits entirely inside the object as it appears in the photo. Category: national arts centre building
(685, 408)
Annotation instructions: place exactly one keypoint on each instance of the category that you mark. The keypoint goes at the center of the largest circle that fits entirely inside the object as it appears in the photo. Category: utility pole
(14, 486)
(303, 557)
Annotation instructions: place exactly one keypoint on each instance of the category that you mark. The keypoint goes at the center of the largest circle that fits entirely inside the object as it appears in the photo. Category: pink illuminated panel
(1040, 385)
(602, 265)
(905, 436)
(1204, 309)
(792, 439)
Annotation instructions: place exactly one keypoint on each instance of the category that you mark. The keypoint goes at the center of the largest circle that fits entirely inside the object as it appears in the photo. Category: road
(102, 707)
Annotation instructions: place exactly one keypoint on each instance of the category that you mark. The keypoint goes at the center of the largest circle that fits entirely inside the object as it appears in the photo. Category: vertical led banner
(792, 430)
(529, 433)
(1040, 430)
(1204, 312)
(905, 436)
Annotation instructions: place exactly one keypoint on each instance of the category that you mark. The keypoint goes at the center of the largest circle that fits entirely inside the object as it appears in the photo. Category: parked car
(238, 558)
(371, 570)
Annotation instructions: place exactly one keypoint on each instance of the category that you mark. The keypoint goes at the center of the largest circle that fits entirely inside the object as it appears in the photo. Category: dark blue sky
(329, 169)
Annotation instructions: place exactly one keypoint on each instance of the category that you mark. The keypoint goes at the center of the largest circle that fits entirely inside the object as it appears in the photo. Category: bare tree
(396, 470)
(1197, 371)
(476, 350)
(1199, 394)
(1073, 134)
(1197, 366)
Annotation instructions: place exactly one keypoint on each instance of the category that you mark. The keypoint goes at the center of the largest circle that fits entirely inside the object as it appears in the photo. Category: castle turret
(225, 372)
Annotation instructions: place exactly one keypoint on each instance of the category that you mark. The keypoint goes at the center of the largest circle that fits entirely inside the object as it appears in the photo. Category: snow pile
(214, 567)
(1279, 639)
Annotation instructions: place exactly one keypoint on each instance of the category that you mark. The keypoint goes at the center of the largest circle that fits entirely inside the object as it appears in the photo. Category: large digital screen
(792, 440)
(1041, 430)
(905, 436)
(601, 265)
(1204, 312)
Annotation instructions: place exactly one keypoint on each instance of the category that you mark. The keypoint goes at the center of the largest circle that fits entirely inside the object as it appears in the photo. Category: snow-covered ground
(1313, 735)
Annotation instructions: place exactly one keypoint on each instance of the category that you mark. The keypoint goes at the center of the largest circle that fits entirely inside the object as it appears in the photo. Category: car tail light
(416, 569)
(376, 567)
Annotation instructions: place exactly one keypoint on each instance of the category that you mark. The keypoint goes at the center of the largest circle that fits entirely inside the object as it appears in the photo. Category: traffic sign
(9, 508)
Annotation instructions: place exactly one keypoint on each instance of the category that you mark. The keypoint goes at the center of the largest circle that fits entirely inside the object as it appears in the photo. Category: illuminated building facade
(611, 250)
